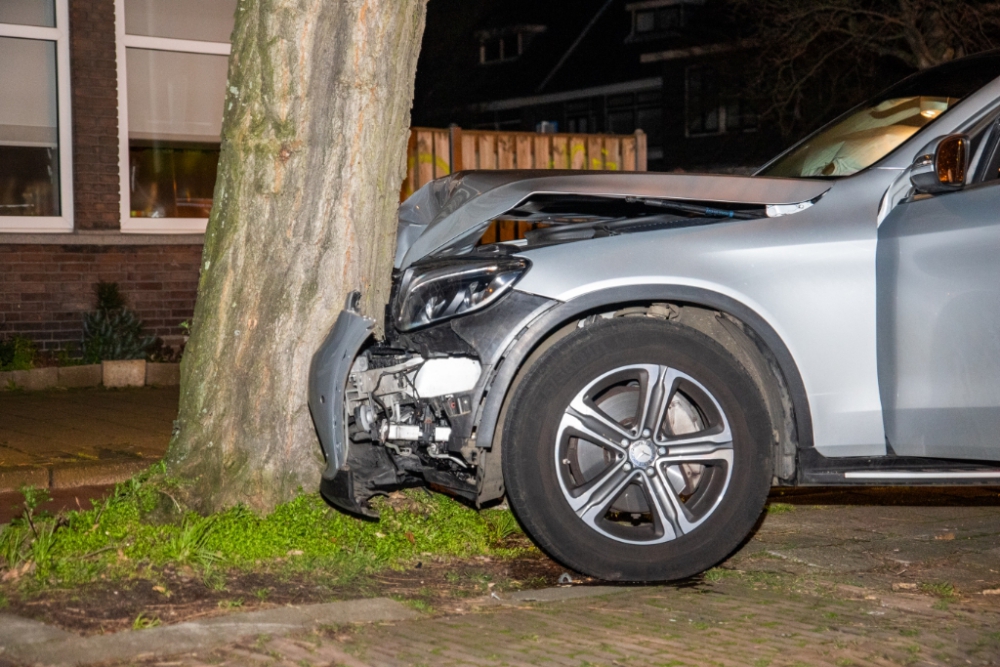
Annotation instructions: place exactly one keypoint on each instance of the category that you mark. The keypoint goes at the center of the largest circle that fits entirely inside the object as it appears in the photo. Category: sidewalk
(82, 437)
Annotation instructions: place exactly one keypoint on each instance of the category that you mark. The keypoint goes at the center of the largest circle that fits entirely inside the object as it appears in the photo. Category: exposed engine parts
(404, 405)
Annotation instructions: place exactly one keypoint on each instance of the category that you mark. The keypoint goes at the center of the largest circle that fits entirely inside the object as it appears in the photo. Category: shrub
(17, 354)
(113, 331)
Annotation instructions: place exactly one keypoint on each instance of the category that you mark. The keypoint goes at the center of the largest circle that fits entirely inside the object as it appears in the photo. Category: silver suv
(661, 349)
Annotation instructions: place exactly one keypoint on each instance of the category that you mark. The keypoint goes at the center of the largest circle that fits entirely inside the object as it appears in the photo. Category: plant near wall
(17, 354)
(113, 331)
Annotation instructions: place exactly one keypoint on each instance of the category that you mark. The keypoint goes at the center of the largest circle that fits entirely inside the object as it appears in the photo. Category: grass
(780, 508)
(941, 589)
(116, 538)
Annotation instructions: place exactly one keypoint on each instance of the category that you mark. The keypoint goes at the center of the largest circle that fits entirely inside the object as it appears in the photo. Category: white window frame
(123, 41)
(54, 224)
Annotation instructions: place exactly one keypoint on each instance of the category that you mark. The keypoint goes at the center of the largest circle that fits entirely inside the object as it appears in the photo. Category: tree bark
(313, 155)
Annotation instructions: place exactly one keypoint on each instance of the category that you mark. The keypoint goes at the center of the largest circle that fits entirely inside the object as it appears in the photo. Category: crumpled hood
(452, 212)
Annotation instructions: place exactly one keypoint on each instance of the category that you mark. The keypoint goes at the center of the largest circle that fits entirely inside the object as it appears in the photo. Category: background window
(176, 65)
(174, 124)
(710, 110)
(40, 13)
(29, 128)
(180, 19)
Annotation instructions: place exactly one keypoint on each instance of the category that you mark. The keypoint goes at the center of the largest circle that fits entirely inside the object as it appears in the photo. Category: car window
(861, 139)
(989, 165)
(872, 130)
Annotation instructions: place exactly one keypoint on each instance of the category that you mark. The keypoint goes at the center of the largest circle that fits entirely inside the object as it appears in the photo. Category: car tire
(669, 498)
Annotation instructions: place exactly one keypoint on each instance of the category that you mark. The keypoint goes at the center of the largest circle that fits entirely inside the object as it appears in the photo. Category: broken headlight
(442, 290)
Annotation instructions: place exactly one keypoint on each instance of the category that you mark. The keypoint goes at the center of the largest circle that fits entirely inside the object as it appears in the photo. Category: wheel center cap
(641, 453)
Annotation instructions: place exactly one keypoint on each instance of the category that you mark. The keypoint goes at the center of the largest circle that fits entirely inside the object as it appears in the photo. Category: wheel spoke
(656, 391)
(704, 451)
(601, 492)
(597, 424)
(666, 507)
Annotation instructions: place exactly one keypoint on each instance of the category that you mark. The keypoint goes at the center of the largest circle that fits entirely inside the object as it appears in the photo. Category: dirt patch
(179, 595)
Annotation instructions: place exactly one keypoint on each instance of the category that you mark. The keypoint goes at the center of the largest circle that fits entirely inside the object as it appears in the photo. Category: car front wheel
(637, 449)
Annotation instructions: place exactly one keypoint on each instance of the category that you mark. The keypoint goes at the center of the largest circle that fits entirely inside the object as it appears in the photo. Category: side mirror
(943, 170)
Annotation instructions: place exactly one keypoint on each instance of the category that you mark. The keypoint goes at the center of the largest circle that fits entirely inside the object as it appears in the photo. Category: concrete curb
(92, 375)
(37, 643)
(40, 644)
(72, 475)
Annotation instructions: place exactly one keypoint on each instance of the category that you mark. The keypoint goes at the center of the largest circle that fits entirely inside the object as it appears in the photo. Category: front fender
(553, 319)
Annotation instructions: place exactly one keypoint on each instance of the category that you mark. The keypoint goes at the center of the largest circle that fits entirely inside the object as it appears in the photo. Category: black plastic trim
(814, 469)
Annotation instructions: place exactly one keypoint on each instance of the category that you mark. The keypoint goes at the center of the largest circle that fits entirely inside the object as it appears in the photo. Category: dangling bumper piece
(328, 374)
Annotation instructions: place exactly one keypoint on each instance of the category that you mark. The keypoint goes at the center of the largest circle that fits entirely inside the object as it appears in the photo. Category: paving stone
(12, 479)
(123, 373)
(75, 377)
(163, 375)
(98, 473)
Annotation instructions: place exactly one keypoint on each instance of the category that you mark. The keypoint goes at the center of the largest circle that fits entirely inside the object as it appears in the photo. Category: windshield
(869, 132)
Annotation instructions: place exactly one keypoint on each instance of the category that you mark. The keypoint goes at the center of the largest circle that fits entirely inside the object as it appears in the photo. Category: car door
(938, 318)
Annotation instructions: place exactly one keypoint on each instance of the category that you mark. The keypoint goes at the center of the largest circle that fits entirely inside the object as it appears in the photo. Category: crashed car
(661, 349)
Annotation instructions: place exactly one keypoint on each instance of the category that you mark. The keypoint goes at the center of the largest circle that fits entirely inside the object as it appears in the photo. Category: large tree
(313, 154)
(817, 58)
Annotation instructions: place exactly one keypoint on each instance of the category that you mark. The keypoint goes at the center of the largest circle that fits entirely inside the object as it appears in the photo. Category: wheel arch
(740, 329)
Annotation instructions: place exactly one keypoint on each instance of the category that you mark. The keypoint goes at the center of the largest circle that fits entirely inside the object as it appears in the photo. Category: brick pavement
(70, 438)
(731, 622)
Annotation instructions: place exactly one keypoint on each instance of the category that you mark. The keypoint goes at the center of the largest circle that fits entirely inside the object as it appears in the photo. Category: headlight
(442, 290)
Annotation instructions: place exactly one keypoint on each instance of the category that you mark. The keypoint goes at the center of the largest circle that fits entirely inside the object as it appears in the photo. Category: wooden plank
(560, 153)
(640, 150)
(595, 152)
(490, 235)
(543, 154)
(455, 143)
(410, 182)
(523, 148)
(442, 154)
(469, 152)
(628, 154)
(612, 153)
(425, 157)
(487, 151)
(505, 151)
(508, 230)
(577, 153)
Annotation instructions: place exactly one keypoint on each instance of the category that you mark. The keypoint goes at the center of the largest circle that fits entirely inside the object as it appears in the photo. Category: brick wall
(94, 81)
(46, 289)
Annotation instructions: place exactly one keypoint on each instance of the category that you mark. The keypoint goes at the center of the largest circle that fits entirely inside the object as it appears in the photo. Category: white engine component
(452, 375)
(412, 432)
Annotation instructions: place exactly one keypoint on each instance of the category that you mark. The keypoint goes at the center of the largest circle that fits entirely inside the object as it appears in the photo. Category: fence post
(455, 148)
(640, 150)
(410, 182)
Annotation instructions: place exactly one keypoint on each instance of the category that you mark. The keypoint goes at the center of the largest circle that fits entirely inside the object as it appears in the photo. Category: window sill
(164, 225)
(17, 224)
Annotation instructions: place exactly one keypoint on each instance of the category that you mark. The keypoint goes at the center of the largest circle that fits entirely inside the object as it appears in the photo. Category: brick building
(110, 116)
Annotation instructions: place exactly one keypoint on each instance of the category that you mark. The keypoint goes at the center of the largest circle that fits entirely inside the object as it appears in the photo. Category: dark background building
(671, 68)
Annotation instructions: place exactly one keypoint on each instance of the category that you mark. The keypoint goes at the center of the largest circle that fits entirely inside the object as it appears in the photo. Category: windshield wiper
(694, 208)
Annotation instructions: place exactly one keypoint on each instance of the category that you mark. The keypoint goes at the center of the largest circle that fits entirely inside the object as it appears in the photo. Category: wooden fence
(433, 153)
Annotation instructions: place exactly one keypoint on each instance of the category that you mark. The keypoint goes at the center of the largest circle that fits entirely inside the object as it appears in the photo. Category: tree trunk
(313, 155)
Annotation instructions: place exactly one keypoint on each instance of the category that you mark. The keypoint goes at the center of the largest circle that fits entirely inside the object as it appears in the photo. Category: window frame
(720, 107)
(123, 42)
(62, 223)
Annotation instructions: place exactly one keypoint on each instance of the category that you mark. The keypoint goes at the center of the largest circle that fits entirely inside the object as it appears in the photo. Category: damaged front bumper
(404, 411)
(328, 374)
